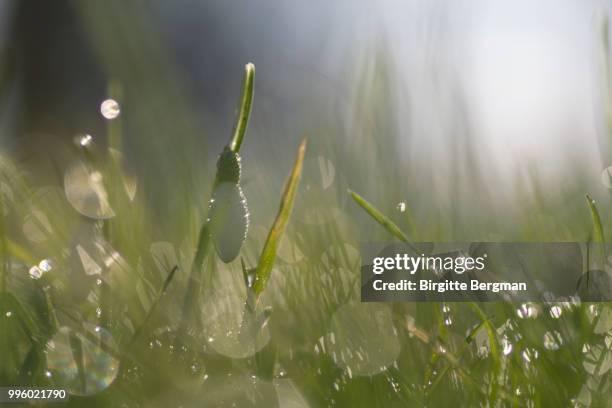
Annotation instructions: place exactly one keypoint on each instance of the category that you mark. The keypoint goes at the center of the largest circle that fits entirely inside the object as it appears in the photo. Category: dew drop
(529, 355)
(110, 109)
(552, 340)
(45, 265)
(555, 312)
(506, 346)
(83, 140)
(527, 311)
(35, 272)
(593, 311)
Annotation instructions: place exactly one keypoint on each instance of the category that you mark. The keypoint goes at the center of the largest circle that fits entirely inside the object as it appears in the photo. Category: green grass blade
(244, 111)
(153, 307)
(598, 234)
(379, 217)
(597, 226)
(268, 254)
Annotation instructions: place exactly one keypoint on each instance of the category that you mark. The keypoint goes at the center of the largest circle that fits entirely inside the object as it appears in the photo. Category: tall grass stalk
(268, 254)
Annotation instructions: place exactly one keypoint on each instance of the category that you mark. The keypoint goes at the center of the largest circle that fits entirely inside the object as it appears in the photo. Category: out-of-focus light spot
(45, 265)
(83, 140)
(110, 109)
(35, 272)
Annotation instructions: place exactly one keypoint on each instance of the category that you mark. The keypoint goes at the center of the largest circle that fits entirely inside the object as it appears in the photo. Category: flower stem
(244, 111)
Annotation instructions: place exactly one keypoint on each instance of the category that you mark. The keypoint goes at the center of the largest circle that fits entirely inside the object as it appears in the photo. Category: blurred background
(471, 101)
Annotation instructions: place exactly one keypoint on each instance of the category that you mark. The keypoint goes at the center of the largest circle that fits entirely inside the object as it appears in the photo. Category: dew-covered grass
(128, 284)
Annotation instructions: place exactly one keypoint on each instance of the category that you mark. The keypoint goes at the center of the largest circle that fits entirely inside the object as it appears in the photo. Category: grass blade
(246, 102)
(268, 254)
(381, 218)
(598, 235)
(153, 307)
(597, 226)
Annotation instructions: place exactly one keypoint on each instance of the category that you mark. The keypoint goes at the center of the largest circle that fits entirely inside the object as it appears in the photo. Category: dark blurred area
(55, 71)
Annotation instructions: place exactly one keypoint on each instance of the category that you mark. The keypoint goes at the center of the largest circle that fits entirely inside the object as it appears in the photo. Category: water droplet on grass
(110, 109)
(83, 140)
(529, 355)
(593, 311)
(555, 312)
(552, 340)
(527, 311)
(35, 272)
(506, 346)
(45, 265)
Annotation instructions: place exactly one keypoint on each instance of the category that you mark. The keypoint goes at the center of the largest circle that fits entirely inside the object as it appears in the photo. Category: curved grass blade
(244, 111)
(598, 234)
(153, 307)
(597, 226)
(268, 254)
(381, 218)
